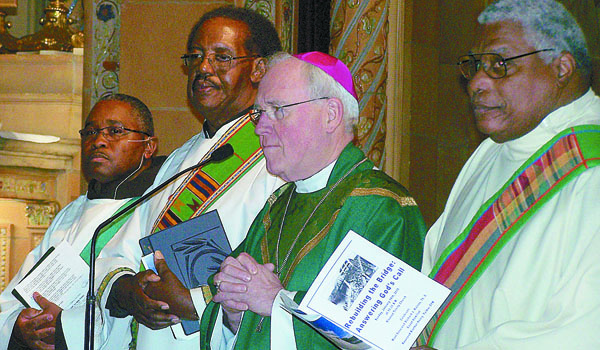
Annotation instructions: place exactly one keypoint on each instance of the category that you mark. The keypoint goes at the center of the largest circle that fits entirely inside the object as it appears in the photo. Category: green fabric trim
(107, 233)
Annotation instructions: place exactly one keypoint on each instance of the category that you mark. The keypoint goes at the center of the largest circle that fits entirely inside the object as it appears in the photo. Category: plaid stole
(559, 161)
(207, 184)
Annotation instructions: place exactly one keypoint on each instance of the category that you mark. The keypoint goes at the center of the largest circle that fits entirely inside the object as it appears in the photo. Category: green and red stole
(207, 184)
(204, 186)
(543, 175)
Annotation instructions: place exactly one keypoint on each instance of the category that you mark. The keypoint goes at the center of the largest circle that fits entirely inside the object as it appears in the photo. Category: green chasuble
(366, 201)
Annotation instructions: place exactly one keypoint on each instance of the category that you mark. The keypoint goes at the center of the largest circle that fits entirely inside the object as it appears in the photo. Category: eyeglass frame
(188, 58)
(462, 59)
(99, 131)
(256, 115)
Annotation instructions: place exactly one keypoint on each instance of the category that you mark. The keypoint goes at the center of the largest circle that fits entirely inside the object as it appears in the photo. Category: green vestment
(366, 201)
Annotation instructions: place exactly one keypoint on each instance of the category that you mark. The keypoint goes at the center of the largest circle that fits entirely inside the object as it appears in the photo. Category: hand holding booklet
(364, 298)
(193, 250)
(61, 276)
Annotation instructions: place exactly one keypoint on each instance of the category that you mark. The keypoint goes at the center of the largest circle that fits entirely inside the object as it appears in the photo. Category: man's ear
(335, 115)
(259, 68)
(151, 147)
(565, 67)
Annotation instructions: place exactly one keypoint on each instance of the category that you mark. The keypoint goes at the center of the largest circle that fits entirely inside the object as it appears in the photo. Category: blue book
(193, 250)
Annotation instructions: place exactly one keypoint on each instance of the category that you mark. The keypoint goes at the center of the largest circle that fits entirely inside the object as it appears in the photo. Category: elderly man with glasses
(225, 62)
(518, 240)
(305, 124)
(117, 158)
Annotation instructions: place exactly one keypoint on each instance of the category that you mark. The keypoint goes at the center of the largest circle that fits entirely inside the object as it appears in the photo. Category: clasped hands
(244, 284)
(156, 301)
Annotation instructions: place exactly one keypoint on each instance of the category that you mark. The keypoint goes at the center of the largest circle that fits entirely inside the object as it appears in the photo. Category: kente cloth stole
(544, 174)
(107, 233)
(203, 187)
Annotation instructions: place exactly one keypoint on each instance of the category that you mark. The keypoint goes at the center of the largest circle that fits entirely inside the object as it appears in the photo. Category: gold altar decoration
(56, 33)
(8, 43)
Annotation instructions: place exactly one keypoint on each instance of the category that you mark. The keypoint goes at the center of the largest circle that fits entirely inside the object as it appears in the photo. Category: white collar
(316, 182)
(571, 114)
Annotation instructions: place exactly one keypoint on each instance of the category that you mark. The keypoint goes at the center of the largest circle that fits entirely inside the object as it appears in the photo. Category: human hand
(246, 284)
(170, 290)
(129, 292)
(36, 328)
(232, 309)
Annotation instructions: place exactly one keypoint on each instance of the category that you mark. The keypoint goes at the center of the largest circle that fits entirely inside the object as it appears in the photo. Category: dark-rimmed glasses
(218, 61)
(493, 64)
(110, 133)
(276, 112)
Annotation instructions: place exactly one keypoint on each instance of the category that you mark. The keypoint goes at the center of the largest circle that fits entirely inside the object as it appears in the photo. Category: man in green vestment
(307, 111)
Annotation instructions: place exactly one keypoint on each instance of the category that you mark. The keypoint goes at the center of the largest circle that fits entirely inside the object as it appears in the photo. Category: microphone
(219, 154)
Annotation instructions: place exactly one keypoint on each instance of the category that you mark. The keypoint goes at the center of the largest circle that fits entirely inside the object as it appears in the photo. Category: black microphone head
(221, 153)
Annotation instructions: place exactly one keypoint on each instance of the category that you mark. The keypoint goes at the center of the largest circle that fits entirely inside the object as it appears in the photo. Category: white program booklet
(60, 276)
(364, 298)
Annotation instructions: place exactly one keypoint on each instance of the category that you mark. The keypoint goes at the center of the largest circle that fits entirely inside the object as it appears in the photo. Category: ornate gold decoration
(41, 214)
(21, 188)
(56, 34)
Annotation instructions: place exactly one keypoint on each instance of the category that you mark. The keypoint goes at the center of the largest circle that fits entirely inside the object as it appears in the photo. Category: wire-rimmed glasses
(276, 112)
(110, 133)
(218, 61)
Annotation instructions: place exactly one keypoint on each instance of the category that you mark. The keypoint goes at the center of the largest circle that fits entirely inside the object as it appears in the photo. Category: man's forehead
(283, 79)
(220, 33)
(111, 113)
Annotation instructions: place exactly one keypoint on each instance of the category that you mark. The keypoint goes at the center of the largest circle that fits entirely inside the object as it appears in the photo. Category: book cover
(364, 297)
(193, 250)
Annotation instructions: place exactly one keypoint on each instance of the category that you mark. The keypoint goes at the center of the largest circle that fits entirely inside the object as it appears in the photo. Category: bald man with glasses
(519, 237)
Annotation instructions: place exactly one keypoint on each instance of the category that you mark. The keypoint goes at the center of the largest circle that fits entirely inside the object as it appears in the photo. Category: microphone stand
(221, 153)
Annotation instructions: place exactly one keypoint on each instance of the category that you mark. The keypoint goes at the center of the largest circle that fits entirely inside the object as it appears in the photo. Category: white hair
(547, 25)
(321, 84)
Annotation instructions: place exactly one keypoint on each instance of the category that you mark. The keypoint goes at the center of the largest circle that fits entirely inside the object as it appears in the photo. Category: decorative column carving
(5, 234)
(359, 38)
(41, 214)
(105, 48)
(283, 14)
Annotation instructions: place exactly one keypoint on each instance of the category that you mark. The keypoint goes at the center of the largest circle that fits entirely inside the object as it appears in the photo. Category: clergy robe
(542, 290)
(237, 207)
(76, 224)
(366, 201)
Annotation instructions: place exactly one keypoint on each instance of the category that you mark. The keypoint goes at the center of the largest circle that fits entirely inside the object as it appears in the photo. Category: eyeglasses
(110, 133)
(494, 65)
(276, 112)
(218, 61)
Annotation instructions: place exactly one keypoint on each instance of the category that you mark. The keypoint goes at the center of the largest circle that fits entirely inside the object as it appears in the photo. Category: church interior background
(415, 122)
